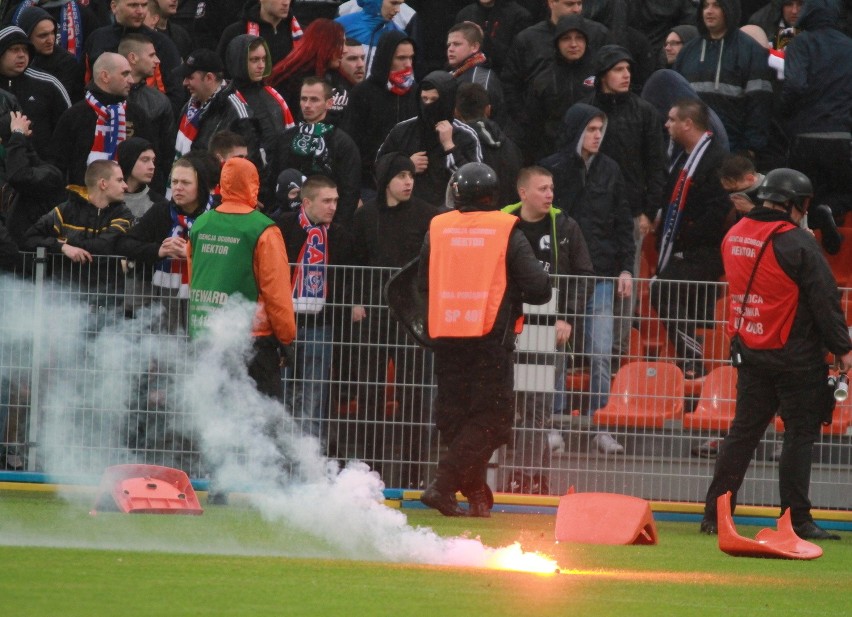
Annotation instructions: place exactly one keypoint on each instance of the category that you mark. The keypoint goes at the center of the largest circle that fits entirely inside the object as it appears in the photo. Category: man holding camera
(784, 314)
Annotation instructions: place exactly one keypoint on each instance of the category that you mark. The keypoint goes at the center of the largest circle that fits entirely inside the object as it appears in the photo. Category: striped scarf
(191, 121)
(110, 129)
(170, 273)
(253, 28)
(309, 276)
(677, 203)
(70, 26)
(472, 61)
(286, 114)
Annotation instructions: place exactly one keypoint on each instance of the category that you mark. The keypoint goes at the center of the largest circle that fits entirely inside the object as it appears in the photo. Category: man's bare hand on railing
(76, 254)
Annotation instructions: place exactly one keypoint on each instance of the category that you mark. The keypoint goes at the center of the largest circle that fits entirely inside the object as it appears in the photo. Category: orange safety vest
(467, 271)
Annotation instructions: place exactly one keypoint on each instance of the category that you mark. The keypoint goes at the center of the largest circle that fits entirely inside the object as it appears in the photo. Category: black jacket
(39, 185)
(500, 23)
(656, 18)
(65, 68)
(530, 53)
(732, 76)
(342, 166)
(142, 242)
(108, 38)
(418, 135)
(595, 198)
(279, 39)
(224, 110)
(634, 141)
(162, 125)
(817, 88)
(501, 154)
(614, 15)
(374, 110)
(72, 140)
(43, 99)
(819, 324)
(558, 86)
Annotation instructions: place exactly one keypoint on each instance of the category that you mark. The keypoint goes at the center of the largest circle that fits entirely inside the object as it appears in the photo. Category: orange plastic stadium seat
(841, 421)
(644, 395)
(841, 264)
(715, 409)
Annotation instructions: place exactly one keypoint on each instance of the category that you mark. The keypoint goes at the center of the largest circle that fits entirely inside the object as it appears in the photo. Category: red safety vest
(467, 271)
(768, 312)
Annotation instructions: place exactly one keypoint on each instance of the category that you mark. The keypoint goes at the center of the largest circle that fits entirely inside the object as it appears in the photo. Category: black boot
(820, 217)
(480, 502)
(445, 503)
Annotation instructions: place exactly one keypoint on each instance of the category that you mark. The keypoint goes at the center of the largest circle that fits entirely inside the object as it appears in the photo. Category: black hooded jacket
(769, 18)
(595, 197)
(656, 18)
(732, 76)
(817, 88)
(614, 15)
(555, 89)
(500, 23)
(418, 135)
(633, 138)
(374, 110)
(279, 38)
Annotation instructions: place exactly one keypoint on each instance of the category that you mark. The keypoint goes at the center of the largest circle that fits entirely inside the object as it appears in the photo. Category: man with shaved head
(92, 128)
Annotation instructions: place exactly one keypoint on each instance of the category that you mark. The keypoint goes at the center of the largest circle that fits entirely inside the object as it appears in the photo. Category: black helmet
(474, 187)
(785, 185)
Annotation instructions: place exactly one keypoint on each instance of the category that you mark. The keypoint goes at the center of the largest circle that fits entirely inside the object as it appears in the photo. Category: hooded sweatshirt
(614, 15)
(771, 19)
(373, 109)
(732, 76)
(280, 38)
(818, 73)
(367, 27)
(418, 134)
(592, 193)
(656, 18)
(271, 112)
(239, 185)
(686, 32)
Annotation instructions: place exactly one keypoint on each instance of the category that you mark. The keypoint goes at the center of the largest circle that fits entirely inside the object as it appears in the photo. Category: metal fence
(93, 358)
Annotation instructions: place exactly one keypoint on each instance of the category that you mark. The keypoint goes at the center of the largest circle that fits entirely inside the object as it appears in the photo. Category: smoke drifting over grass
(248, 441)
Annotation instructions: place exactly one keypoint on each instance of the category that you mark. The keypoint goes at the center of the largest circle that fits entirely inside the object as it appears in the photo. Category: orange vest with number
(467, 271)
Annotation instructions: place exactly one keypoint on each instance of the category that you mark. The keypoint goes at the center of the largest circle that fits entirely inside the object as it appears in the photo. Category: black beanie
(30, 17)
(128, 153)
(608, 56)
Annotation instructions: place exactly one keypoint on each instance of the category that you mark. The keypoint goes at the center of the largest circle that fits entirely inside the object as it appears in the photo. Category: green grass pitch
(58, 560)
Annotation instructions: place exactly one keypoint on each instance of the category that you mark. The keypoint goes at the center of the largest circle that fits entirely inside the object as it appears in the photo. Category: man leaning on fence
(784, 314)
(478, 270)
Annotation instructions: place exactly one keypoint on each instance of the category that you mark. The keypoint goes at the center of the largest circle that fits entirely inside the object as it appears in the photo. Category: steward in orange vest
(478, 270)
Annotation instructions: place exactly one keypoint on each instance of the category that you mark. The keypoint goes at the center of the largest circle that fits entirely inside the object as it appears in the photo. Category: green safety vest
(222, 262)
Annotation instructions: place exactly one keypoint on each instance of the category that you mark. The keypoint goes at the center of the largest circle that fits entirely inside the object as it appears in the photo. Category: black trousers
(265, 367)
(800, 399)
(475, 411)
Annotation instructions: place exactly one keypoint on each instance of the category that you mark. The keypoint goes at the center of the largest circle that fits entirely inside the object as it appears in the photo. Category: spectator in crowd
(469, 65)
(675, 40)
(388, 232)
(473, 358)
(76, 21)
(353, 70)
(729, 71)
(315, 147)
(273, 21)
(655, 18)
(316, 244)
(143, 61)
(385, 98)
(159, 17)
(501, 21)
(158, 240)
(213, 104)
(436, 143)
(499, 152)
(47, 55)
(589, 187)
(614, 14)
(781, 346)
(563, 82)
(368, 25)
(36, 186)
(558, 244)
(532, 50)
(741, 180)
(690, 232)
(247, 62)
(255, 266)
(129, 17)
(815, 99)
(779, 19)
(88, 223)
(92, 128)
(288, 193)
(41, 96)
(309, 10)
(138, 160)
(318, 55)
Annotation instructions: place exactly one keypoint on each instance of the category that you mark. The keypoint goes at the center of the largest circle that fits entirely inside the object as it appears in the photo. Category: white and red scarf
(309, 276)
(677, 203)
(190, 122)
(110, 128)
(253, 28)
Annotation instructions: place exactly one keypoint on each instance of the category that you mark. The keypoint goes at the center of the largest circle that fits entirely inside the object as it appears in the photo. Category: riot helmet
(787, 187)
(474, 187)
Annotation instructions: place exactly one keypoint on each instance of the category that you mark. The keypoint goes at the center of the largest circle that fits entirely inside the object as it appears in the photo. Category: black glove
(287, 354)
